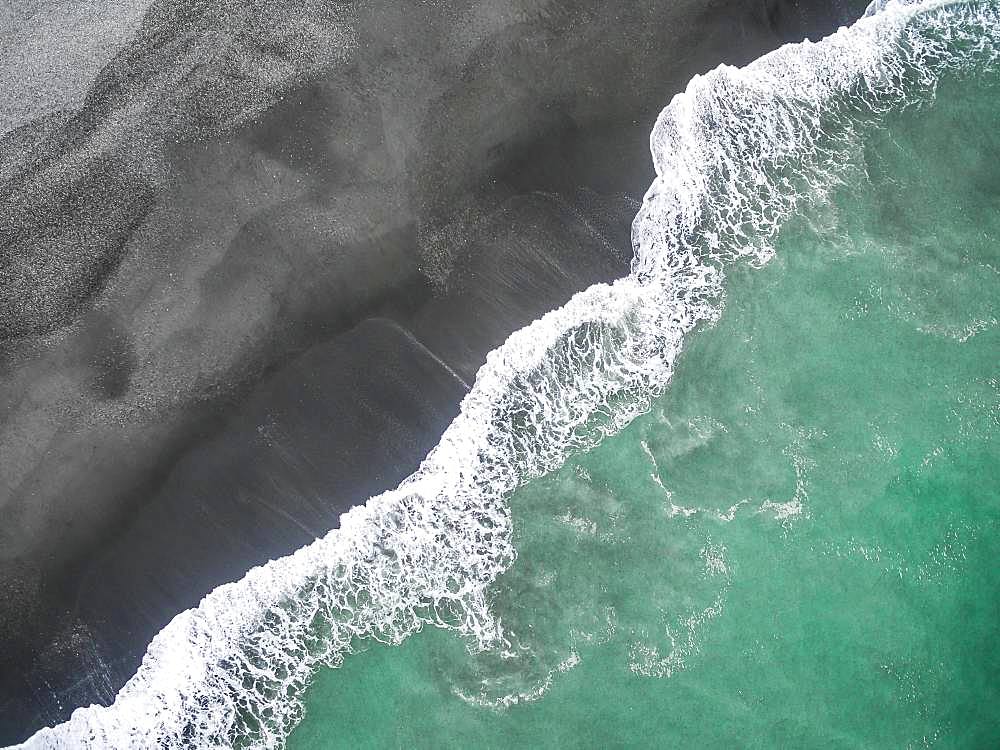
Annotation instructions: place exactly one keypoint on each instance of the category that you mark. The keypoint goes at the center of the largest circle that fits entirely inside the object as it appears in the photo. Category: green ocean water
(798, 545)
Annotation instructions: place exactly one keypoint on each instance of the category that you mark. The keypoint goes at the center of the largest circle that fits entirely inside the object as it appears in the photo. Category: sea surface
(797, 546)
(748, 496)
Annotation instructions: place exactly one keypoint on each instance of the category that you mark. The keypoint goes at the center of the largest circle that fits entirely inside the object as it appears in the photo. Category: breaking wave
(735, 155)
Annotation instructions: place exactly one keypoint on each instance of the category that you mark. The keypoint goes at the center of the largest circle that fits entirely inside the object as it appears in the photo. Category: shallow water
(797, 545)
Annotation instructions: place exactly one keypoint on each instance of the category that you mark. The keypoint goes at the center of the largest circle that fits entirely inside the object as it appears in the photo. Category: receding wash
(746, 496)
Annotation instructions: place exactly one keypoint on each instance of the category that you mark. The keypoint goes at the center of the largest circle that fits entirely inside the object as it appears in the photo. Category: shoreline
(511, 251)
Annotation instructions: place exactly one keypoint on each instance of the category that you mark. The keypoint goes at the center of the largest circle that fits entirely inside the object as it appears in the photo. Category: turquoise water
(797, 546)
(747, 496)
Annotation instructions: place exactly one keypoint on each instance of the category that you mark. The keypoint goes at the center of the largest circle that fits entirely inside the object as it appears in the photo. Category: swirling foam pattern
(735, 154)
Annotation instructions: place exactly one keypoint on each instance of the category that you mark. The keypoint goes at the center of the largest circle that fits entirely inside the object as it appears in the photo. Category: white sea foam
(735, 155)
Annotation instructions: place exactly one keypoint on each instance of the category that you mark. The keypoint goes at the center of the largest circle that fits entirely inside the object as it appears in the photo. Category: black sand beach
(248, 275)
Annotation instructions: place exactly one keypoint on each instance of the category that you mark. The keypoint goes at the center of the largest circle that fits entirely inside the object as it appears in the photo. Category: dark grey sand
(252, 255)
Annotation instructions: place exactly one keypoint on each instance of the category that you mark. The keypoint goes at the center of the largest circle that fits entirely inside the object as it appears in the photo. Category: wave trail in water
(734, 155)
